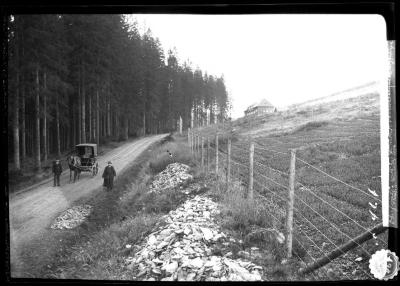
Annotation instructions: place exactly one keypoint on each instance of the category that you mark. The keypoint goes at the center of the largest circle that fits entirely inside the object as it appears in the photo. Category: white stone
(152, 240)
(171, 267)
(196, 263)
(207, 233)
(162, 245)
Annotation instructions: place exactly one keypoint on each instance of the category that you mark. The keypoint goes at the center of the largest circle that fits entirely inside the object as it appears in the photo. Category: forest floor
(31, 212)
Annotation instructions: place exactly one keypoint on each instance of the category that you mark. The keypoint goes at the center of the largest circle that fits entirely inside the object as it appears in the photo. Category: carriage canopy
(86, 150)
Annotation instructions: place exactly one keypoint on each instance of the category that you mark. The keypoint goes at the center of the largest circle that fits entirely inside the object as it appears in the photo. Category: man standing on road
(57, 170)
(108, 175)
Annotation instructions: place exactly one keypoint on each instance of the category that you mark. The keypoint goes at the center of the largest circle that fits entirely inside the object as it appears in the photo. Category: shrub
(301, 112)
(310, 125)
(160, 202)
(161, 159)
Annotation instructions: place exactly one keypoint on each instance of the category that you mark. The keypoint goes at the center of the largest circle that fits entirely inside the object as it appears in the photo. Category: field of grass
(341, 139)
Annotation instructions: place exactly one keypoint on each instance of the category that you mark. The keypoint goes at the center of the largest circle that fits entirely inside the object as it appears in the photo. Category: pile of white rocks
(72, 217)
(173, 176)
(182, 249)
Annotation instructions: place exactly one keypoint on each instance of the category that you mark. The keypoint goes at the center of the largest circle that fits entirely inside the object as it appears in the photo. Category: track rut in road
(31, 212)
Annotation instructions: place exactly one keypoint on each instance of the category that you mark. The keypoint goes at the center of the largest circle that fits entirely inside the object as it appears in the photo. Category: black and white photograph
(200, 147)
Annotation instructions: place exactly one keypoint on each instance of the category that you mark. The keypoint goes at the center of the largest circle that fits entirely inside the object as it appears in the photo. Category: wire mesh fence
(333, 209)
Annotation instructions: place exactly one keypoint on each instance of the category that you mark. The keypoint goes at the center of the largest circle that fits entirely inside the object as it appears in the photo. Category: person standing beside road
(108, 175)
(57, 170)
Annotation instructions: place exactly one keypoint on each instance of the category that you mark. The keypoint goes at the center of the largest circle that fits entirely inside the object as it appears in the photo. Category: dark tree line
(92, 78)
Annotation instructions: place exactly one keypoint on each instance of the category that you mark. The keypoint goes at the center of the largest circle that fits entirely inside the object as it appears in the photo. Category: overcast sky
(282, 58)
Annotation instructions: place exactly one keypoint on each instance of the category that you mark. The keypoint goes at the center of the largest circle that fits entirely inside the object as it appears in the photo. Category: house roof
(262, 102)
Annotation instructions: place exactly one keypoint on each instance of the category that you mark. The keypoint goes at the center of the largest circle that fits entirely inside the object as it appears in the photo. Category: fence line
(272, 169)
(365, 229)
(271, 150)
(332, 224)
(299, 212)
(241, 149)
(305, 249)
(224, 164)
(240, 164)
(313, 242)
(334, 244)
(275, 194)
(336, 179)
(312, 273)
(275, 182)
(306, 203)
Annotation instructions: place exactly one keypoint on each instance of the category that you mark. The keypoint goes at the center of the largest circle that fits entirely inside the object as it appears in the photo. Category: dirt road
(31, 212)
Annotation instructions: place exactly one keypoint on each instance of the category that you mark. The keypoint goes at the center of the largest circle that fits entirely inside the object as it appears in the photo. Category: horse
(74, 163)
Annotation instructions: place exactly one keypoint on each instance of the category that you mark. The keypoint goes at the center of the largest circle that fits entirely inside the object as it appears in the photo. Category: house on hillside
(262, 107)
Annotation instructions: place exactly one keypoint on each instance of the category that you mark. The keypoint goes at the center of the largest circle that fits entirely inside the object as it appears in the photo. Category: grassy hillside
(342, 140)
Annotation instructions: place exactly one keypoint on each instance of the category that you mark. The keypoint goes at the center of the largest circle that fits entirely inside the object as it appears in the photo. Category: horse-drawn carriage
(84, 160)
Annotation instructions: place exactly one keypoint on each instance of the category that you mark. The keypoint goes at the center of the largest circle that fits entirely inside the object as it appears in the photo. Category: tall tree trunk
(48, 139)
(15, 127)
(17, 163)
(97, 117)
(23, 127)
(58, 126)
(126, 127)
(83, 109)
(22, 89)
(37, 120)
(44, 117)
(144, 123)
(116, 125)
(105, 125)
(108, 115)
(73, 128)
(90, 118)
(79, 114)
(93, 120)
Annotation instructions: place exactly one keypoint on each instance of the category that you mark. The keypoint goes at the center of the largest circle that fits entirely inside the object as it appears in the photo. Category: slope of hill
(337, 165)
(372, 87)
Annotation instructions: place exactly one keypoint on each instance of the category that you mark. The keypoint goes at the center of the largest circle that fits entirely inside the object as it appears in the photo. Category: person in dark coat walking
(57, 170)
(108, 175)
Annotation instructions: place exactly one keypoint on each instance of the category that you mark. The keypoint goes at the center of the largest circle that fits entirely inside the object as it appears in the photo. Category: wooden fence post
(208, 154)
(251, 159)
(289, 210)
(202, 152)
(216, 155)
(228, 167)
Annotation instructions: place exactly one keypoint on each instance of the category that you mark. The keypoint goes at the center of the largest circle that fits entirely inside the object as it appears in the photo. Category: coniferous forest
(93, 78)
